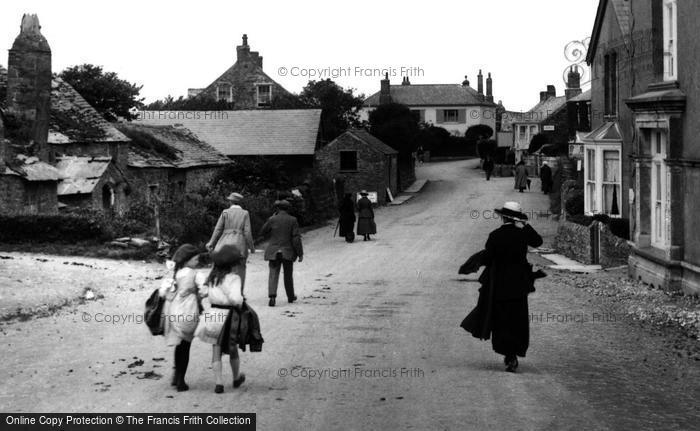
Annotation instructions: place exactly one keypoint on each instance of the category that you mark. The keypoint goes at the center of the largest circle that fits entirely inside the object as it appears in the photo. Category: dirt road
(373, 342)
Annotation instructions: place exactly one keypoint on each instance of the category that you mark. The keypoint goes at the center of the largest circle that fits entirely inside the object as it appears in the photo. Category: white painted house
(453, 107)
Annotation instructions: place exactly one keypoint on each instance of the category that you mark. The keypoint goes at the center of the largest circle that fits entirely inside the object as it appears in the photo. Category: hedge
(68, 228)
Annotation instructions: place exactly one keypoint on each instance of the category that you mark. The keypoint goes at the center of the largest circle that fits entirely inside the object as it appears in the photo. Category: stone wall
(575, 241)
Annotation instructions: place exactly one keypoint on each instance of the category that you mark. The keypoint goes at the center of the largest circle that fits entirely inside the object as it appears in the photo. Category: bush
(581, 219)
(575, 204)
(620, 227)
(68, 228)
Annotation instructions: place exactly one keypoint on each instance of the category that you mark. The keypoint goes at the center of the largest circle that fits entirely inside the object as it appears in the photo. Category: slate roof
(73, 119)
(80, 174)
(431, 95)
(542, 111)
(583, 97)
(168, 147)
(247, 132)
(31, 169)
(372, 141)
(623, 15)
(608, 132)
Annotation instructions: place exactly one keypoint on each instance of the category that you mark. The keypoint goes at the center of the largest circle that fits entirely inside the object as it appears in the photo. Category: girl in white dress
(181, 310)
(223, 292)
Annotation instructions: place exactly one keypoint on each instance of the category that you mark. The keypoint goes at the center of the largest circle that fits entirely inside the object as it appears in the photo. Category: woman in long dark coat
(365, 213)
(502, 309)
(346, 221)
(546, 178)
(520, 176)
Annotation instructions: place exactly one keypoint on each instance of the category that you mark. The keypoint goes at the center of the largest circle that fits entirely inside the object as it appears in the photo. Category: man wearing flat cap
(282, 250)
(234, 228)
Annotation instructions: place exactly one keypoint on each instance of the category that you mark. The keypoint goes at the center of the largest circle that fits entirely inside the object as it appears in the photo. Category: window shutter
(439, 116)
(462, 116)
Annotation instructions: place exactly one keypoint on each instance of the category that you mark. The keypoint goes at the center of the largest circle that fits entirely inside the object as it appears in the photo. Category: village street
(373, 343)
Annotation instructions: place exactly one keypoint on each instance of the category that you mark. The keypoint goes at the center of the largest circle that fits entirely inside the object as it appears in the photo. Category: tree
(478, 131)
(110, 95)
(339, 107)
(395, 125)
(197, 103)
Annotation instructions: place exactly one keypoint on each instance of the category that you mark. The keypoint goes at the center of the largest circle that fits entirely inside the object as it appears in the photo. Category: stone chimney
(480, 82)
(543, 96)
(573, 83)
(29, 85)
(385, 90)
(465, 83)
(489, 88)
(551, 91)
(243, 53)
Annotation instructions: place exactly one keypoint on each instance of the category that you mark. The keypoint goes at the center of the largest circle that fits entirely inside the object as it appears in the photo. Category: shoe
(292, 299)
(219, 389)
(272, 302)
(239, 381)
(182, 387)
(512, 365)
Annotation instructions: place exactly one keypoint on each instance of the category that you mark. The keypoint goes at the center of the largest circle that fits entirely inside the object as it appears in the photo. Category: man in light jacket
(282, 250)
(234, 228)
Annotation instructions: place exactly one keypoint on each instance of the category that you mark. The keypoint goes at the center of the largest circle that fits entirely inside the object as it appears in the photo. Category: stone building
(646, 92)
(168, 160)
(356, 160)
(288, 136)
(244, 84)
(27, 181)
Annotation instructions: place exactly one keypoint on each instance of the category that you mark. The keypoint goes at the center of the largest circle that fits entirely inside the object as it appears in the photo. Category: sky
(170, 46)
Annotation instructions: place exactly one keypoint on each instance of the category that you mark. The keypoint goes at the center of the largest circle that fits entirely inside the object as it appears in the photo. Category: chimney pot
(480, 82)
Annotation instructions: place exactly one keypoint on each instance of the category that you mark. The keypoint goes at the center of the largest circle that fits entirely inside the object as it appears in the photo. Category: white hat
(511, 210)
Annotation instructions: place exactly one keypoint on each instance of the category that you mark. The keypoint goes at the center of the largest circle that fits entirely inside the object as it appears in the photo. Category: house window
(611, 182)
(419, 115)
(264, 94)
(525, 135)
(659, 222)
(610, 81)
(450, 115)
(348, 161)
(670, 40)
(603, 180)
(522, 133)
(590, 198)
(223, 92)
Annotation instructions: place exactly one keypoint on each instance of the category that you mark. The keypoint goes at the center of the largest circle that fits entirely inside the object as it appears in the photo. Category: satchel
(153, 316)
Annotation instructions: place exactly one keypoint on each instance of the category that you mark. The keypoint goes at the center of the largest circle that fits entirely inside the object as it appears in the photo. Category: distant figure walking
(520, 176)
(233, 228)
(347, 219)
(488, 167)
(365, 223)
(502, 310)
(224, 293)
(546, 178)
(420, 152)
(282, 250)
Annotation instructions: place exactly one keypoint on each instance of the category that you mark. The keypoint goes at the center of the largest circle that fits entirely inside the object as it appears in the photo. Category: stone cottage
(244, 84)
(356, 160)
(168, 160)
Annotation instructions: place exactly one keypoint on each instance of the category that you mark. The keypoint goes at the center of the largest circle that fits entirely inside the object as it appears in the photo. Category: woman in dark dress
(502, 310)
(365, 222)
(347, 218)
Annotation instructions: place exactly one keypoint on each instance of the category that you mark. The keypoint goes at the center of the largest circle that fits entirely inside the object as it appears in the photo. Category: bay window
(603, 180)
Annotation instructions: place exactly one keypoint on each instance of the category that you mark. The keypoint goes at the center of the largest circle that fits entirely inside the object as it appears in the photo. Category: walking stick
(337, 225)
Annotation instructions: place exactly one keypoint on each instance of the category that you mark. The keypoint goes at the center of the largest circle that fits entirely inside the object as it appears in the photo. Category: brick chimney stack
(29, 84)
(465, 83)
(543, 96)
(489, 88)
(405, 81)
(551, 91)
(573, 83)
(385, 90)
(480, 82)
